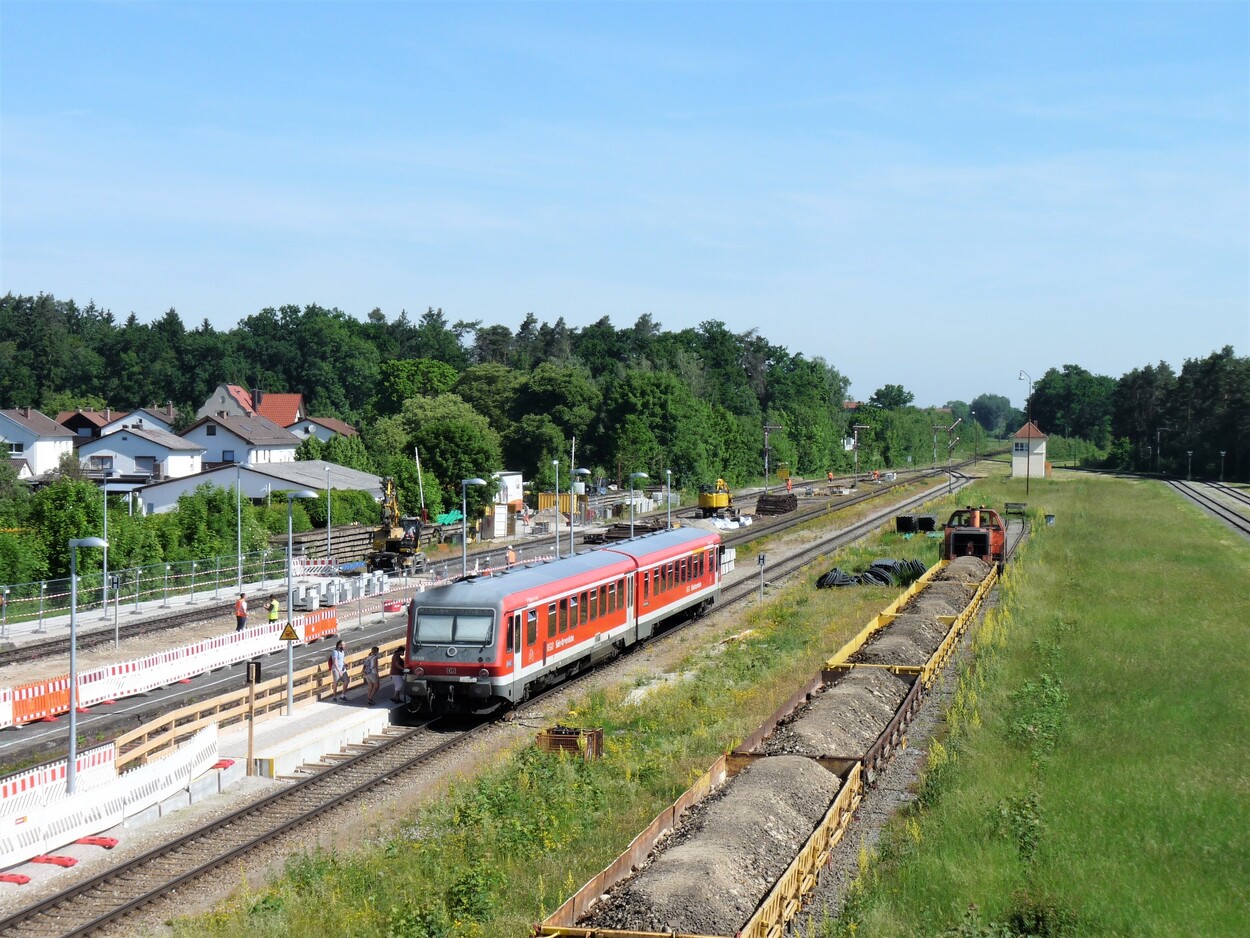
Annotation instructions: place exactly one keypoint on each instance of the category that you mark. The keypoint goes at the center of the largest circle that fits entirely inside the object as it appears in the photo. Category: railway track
(1199, 493)
(109, 897)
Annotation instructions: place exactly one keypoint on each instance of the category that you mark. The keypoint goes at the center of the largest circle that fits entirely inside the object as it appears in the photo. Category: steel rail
(286, 810)
(1213, 506)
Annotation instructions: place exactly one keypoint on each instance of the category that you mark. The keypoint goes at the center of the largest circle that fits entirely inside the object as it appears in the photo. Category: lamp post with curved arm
(668, 498)
(71, 765)
(573, 505)
(290, 593)
(328, 554)
(632, 477)
(464, 522)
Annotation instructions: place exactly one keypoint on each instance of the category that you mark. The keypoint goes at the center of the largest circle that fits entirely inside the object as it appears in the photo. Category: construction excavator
(397, 543)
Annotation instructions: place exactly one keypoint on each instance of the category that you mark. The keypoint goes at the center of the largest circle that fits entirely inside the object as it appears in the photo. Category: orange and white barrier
(46, 699)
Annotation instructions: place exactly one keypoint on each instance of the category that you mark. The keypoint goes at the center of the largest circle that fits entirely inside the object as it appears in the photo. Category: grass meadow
(1093, 779)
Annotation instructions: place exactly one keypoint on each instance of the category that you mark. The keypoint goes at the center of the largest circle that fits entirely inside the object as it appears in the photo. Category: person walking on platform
(240, 613)
(370, 669)
(397, 676)
(338, 671)
(511, 555)
(273, 610)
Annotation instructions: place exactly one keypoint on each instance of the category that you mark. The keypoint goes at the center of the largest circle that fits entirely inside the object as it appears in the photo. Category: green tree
(492, 391)
(455, 442)
(891, 397)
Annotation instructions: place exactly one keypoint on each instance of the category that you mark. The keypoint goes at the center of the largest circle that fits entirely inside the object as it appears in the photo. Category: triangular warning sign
(289, 634)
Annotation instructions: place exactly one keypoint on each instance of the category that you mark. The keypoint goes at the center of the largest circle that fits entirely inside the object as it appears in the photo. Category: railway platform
(313, 733)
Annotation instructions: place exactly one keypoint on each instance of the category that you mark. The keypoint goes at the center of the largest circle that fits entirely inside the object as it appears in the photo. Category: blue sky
(928, 194)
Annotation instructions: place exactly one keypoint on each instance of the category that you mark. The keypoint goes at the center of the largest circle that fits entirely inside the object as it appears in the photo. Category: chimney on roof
(24, 411)
(257, 394)
(108, 414)
(169, 408)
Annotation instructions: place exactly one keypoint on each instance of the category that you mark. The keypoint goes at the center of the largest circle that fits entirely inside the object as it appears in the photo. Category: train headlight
(418, 672)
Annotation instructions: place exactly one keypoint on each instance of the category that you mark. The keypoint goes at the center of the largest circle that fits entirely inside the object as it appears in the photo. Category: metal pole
(573, 505)
(1189, 470)
(238, 525)
(328, 550)
(165, 604)
(556, 464)
(631, 506)
(138, 573)
(668, 498)
(117, 599)
(4, 613)
(43, 589)
(191, 601)
(104, 606)
(71, 764)
(464, 527)
(1222, 452)
(290, 609)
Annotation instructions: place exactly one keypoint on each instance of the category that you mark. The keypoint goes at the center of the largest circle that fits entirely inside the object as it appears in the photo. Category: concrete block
(175, 802)
(147, 816)
(205, 786)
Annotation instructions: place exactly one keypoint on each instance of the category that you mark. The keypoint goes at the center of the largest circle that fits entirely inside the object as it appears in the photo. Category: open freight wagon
(785, 747)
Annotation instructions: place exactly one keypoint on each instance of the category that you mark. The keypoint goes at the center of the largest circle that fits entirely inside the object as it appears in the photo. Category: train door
(515, 649)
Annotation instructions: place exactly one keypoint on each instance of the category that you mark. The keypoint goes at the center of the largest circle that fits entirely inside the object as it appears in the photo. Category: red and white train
(482, 643)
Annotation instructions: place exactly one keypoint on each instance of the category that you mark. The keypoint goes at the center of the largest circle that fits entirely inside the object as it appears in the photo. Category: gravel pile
(711, 874)
(969, 570)
(954, 592)
(842, 719)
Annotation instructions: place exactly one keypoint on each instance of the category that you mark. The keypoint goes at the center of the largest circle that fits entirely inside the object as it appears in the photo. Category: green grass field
(1095, 782)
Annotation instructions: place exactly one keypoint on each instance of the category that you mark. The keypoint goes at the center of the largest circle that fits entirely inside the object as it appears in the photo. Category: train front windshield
(454, 627)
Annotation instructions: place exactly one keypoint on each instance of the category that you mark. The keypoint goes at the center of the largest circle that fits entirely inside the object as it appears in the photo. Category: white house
(251, 440)
(1028, 452)
(265, 482)
(41, 441)
(142, 453)
(162, 418)
(323, 428)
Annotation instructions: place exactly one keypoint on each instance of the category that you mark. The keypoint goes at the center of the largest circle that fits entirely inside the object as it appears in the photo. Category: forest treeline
(475, 398)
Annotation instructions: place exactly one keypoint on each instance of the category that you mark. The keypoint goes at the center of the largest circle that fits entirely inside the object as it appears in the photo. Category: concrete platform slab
(282, 744)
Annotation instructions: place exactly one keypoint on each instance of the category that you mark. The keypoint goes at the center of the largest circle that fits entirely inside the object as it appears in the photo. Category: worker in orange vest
(240, 613)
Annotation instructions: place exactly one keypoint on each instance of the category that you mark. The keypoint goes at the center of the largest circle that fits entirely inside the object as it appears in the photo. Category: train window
(516, 634)
(445, 626)
(603, 600)
(646, 585)
(585, 613)
(531, 626)
(551, 621)
(564, 615)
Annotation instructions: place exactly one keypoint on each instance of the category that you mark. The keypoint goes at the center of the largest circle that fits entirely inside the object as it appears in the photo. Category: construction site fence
(47, 699)
(176, 584)
(38, 815)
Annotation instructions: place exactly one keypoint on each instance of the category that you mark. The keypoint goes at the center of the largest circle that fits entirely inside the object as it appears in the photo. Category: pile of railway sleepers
(776, 504)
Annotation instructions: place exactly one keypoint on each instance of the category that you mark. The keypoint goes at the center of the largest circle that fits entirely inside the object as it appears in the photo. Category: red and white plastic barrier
(37, 816)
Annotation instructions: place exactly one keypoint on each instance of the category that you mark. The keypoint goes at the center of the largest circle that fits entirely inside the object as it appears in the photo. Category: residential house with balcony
(137, 454)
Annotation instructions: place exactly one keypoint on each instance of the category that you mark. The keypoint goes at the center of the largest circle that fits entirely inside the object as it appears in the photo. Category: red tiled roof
(282, 409)
(1029, 431)
(242, 395)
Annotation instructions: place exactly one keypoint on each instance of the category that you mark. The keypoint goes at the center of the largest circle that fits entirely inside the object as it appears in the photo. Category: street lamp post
(668, 498)
(1189, 469)
(1159, 448)
(632, 477)
(1028, 432)
(238, 525)
(464, 521)
(573, 505)
(555, 464)
(328, 554)
(975, 434)
(290, 594)
(71, 765)
(855, 447)
(1222, 452)
(104, 606)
